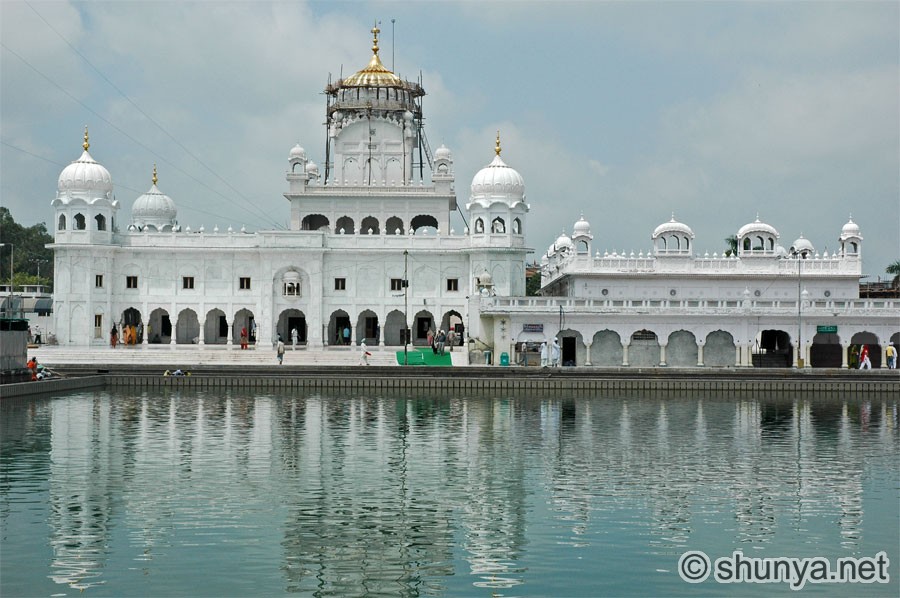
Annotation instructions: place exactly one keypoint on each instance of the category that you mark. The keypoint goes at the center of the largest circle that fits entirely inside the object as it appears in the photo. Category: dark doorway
(166, 325)
(340, 323)
(568, 350)
(223, 327)
(423, 325)
(300, 324)
(251, 325)
(371, 328)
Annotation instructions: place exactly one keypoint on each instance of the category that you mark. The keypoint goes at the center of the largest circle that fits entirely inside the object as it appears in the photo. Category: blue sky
(623, 111)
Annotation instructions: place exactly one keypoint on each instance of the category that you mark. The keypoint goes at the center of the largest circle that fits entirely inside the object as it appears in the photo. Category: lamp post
(799, 255)
(405, 307)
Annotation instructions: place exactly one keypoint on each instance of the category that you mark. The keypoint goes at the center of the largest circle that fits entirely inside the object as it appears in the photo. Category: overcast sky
(623, 111)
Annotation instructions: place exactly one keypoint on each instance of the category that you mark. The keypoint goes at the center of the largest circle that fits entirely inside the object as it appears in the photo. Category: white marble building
(370, 248)
(376, 215)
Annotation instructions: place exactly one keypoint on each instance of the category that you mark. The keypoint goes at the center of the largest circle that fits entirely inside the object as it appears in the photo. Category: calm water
(190, 493)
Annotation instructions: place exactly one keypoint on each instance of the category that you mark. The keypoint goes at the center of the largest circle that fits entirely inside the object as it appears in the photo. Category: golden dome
(375, 74)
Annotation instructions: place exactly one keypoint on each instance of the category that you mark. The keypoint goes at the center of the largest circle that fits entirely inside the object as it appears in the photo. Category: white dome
(498, 180)
(155, 209)
(672, 226)
(485, 279)
(803, 245)
(757, 227)
(312, 168)
(851, 229)
(582, 227)
(298, 152)
(442, 153)
(563, 241)
(85, 175)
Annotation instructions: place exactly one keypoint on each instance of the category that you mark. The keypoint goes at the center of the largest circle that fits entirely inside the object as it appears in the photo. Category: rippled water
(192, 493)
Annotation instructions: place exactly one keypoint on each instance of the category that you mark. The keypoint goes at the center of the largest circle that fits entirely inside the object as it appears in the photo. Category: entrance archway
(187, 329)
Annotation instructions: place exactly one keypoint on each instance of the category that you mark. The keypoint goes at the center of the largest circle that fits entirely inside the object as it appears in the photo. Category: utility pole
(405, 307)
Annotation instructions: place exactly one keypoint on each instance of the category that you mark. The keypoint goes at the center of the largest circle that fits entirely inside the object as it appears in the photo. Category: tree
(894, 269)
(732, 249)
(533, 285)
(29, 252)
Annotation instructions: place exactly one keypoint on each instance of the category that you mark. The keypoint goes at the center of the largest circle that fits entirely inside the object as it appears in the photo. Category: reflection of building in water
(763, 461)
(83, 463)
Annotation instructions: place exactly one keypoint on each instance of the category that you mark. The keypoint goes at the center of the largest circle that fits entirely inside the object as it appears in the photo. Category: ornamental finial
(85, 145)
(375, 32)
(497, 147)
(155, 179)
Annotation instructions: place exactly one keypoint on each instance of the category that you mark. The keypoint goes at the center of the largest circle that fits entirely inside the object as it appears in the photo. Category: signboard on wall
(533, 328)
(827, 329)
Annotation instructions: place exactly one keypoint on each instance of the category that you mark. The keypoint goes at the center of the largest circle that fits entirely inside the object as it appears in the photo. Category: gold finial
(497, 147)
(155, 179)
(375, 32)
(85, 145)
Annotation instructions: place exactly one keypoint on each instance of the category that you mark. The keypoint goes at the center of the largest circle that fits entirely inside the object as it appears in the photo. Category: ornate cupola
(374, 121)
(851, 240)
(85, 207)
(672, 238)
(497, 201)
(757, 239)
(154, 210)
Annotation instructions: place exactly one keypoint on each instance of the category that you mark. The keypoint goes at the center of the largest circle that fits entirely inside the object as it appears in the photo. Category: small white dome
(442, 153)
(803, 245)
(563, 241)
(298, 152)
(498, 179)
(757, 227)
(312, 168)
(485, 279)
(155, 209)
(851, 229)
(582, 227)
(672, 226)
(85, 175)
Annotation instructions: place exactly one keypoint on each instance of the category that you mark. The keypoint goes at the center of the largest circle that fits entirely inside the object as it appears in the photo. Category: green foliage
(29, 253)
(894, 269)
(533, 285)
(732, 245)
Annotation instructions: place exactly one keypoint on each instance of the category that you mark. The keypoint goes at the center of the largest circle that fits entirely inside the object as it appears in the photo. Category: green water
(199, 494)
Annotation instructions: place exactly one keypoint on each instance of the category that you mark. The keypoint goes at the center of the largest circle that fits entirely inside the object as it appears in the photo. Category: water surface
(202, 494)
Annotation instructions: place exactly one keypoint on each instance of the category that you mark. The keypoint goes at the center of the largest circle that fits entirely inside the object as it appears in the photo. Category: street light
(799, 255)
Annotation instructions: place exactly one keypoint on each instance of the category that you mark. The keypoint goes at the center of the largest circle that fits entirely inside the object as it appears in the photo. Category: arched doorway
(606, 349)
(187, 328)
(681, 352)
(289, 320)
(572, 349)
(644, 349)
(773, 350)
(871, 341)
(215, 328)
(452, 320)
(367, 327)
(131, 318)
(243, 319)
(826, 351)
(340, 331)
(394, 325)
(422, 323)
(719, 350)
(159, 327)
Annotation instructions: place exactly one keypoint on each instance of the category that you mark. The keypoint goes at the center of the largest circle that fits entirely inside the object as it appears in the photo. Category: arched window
(369, 223)
(479, 225)
(517, 227)
(394, 226)
(746, 243)
(498, 225)
(314, 222)
(61, 224)
(79, 222)
(101, 221)
(345, 223)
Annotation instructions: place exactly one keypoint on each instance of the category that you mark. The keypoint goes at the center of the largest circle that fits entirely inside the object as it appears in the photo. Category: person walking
(545, 355)
(243, 337)
(864, 362)
(363, 353)
(295, 336)
(279, 351)
(113, 336)
(554, 352)
(441, 341)
(346, 335)
(430, 338)
(891, 353)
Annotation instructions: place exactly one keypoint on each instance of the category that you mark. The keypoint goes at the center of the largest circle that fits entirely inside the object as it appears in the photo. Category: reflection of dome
(298, 152)
(582, 227)
(375, 74)
(442, 153)
(673, 226)
(757, 227)
(851, 229)
(85, 175)
(154, 208)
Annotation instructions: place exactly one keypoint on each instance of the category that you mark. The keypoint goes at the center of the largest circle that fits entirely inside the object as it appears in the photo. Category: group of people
(550, 353)
(131, 334)
(438, 342)
(38, 372)
(859, 357)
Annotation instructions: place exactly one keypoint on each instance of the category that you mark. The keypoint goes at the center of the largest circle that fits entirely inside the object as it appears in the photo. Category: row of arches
(681, 348)
(370, 225)
(498, 225)
(217, 328)
(344, 329)
(79, 222)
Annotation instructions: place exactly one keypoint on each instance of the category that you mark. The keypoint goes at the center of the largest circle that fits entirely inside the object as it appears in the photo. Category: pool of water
(238, 494)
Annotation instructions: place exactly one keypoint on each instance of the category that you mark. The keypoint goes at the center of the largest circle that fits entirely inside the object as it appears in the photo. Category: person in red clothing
(864, 362)
(32, 365)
